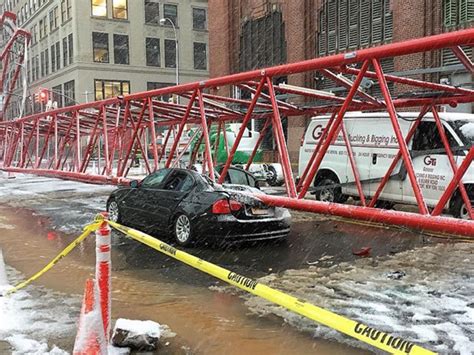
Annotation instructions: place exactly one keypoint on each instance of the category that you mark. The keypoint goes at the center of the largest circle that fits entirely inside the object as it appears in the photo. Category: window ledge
(67, 21)
(202, 30)
(104, 18)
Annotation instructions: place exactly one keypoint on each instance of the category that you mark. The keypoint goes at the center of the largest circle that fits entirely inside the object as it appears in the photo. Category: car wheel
(459, 209)
(114, 211)
(273, 178)
(182, 230)
(327, 191)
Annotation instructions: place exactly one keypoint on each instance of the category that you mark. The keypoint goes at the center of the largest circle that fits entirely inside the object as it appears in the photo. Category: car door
(137, 203)
(430, 162)
(165, 199)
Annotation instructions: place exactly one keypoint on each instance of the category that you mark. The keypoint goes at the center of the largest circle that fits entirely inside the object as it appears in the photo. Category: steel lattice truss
(15, 44)
(61, 143)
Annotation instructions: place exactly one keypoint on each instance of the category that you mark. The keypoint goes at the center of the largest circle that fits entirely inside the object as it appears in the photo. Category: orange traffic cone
(90, 339)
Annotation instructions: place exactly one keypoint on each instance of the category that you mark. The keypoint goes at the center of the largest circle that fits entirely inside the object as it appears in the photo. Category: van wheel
(458, 208)
(327, 191)
(385, 205)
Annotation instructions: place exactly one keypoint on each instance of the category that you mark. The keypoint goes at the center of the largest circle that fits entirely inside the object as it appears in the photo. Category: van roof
(446, 116)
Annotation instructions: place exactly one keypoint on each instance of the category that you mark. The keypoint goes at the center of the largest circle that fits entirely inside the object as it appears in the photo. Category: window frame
(99, 6)
(167, 40)
(104, 81)
(194, 56)
(115, 7)
(148, 52)
(157, 5)
(123, 47)
(175, 18)
(104, 35)
(205, 19)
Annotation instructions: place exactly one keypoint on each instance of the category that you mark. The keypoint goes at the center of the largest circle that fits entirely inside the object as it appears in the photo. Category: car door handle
(374, 158)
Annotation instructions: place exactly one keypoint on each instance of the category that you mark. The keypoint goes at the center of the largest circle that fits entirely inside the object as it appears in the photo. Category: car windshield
(465, 129)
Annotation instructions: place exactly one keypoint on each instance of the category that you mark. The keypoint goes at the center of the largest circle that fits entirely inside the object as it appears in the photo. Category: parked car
(374, 145)
(190, 207)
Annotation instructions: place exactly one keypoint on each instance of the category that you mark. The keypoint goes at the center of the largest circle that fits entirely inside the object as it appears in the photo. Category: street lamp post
(162, 22)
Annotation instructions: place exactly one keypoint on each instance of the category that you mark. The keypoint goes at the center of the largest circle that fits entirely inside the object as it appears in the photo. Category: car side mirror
(134, 184)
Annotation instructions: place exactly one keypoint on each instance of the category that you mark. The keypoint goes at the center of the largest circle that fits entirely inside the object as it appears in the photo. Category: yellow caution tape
(347, 326)
(87, 230)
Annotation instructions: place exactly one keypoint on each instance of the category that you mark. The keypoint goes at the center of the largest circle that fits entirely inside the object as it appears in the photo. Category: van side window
(427, 137)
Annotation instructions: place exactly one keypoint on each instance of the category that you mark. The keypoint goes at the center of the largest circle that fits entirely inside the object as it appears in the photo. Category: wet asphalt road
(314, 239)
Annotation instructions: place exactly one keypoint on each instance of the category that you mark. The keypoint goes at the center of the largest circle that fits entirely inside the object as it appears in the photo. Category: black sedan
(190, 207)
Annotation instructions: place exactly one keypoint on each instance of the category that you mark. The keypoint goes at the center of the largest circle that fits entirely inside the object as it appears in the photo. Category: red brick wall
(411, 19)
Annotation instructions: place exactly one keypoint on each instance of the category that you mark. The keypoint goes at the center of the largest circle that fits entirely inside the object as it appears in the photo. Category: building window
(71, 48)
(66, 7)
(57, 94)
(41, 29)
(120, 9)
(65, 55)
(351, 24)
(200, 56)
(106, 89)
(170, 53)
(42, 64)
(53, 19)
(34, 32)
(153, 52)
(53, 58)
(58, 55)
(100, 43)
(171, 12)
(99, 8)
(45, 27)
(46, 62)
(37, 66)
(457, 12)
(151, 85)
(199, 19)
(152, 11)
(121, 55)
(69, 93)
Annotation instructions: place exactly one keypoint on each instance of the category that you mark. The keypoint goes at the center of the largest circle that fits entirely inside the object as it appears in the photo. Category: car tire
(114, 211)
(458, 208)
(273, 180)
(182, 230)
(384, 204)
(327, 192)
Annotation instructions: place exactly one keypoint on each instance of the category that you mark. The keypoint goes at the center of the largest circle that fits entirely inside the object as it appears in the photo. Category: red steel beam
(401, 141)
(407, 219)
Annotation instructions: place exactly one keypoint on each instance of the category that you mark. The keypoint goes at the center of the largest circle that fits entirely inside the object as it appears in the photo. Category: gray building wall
(84, 70)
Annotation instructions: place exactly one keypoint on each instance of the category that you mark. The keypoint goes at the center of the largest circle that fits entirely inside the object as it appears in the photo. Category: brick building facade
(242, 36)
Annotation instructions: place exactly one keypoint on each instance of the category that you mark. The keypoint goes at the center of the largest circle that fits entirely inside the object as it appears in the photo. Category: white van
(374, 146)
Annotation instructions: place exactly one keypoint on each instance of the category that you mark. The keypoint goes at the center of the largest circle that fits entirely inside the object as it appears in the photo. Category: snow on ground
(46, 196)
(31, 317)
(431, 305)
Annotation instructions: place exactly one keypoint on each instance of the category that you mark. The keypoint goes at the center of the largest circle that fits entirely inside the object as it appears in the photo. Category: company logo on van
(429, 161)
(317, 132)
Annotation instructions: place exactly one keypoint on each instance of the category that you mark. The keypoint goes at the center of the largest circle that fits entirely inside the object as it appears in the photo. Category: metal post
(103, 272)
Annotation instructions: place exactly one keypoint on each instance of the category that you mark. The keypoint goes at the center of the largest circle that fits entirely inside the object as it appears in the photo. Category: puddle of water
(206, 321)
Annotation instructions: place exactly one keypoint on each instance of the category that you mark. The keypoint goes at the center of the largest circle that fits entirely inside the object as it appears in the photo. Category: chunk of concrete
(137, 335)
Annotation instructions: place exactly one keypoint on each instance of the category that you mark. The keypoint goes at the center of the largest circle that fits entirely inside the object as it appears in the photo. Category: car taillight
(225, 206)
(235, 205)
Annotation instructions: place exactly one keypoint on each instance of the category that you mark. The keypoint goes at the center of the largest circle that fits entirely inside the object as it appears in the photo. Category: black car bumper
(229, 228)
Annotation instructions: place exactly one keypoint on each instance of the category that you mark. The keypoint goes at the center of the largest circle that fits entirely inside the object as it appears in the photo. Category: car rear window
(179, 181)
(154, 180)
